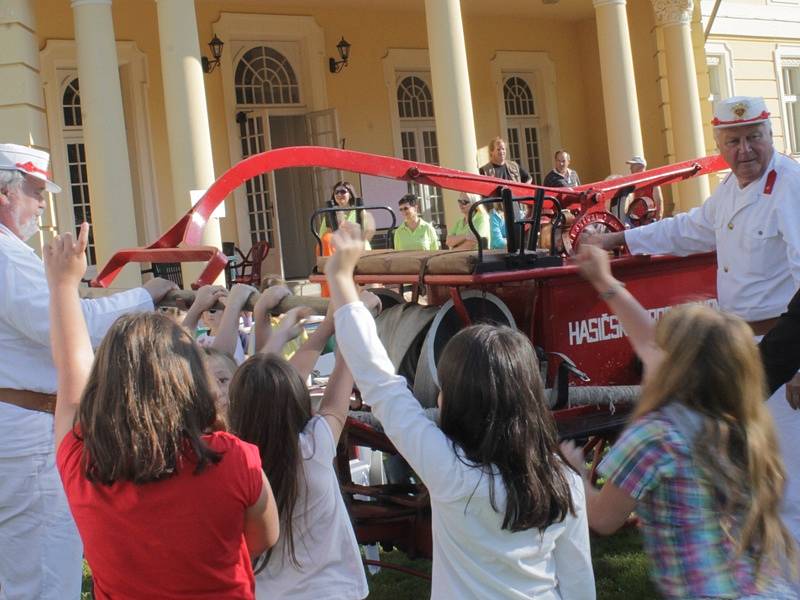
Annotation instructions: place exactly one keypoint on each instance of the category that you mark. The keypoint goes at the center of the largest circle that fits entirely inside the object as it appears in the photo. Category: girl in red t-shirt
(166, 507)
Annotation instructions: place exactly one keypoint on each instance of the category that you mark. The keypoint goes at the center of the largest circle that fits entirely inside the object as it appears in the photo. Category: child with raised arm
(166, 508)
(316, 555)
(508, 513)
(699, 461)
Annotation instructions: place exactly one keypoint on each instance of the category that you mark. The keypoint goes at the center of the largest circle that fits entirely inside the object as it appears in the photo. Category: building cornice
(673, 12)
(78, 3)
(599, 3)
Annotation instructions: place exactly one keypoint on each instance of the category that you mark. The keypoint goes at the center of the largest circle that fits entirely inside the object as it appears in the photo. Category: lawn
(620, 570)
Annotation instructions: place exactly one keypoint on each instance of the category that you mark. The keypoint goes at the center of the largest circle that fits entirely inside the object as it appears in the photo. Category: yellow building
(118, 94)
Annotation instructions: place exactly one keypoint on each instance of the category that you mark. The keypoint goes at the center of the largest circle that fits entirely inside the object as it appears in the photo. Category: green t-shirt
(481, 224)
(423, 237)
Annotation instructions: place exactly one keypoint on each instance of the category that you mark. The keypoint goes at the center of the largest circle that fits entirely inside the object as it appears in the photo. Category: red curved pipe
(189, 228)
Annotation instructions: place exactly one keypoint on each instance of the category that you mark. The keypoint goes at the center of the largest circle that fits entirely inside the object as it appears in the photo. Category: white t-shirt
(324, 542)
(473, 557)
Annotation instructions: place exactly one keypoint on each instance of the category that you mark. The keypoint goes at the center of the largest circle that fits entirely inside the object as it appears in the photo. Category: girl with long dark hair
(316, 555)
(509, 519)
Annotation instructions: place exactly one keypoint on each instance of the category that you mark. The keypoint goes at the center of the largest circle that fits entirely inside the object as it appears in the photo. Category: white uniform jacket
(27, 363)
(755, 231)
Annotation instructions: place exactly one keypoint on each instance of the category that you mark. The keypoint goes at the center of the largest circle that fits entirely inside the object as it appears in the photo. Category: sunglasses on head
(464, 201)
(338, 191)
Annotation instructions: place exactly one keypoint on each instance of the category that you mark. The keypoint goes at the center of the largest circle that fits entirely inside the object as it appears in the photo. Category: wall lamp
(343, 48)
(216, 45)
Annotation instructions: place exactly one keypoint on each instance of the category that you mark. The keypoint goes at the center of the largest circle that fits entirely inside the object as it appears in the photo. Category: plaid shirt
(684, 534)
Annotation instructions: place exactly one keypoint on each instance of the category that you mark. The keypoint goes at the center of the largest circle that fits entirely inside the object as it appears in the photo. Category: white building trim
(402, 60)
(303, 40)
(542, 72)
(779, 18)
(58, 58)
(782, 52)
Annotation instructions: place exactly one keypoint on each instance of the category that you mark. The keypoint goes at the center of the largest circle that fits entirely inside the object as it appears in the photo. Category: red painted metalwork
(554, 306)
(181, 242)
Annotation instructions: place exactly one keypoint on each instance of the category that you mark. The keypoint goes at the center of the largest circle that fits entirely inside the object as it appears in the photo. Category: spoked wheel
(593, 223)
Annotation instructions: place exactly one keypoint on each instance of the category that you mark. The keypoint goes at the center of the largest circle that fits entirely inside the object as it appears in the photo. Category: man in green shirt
(414, 232)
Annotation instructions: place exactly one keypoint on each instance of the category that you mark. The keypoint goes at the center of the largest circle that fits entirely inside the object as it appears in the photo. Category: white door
(256, 211)
(322, 127)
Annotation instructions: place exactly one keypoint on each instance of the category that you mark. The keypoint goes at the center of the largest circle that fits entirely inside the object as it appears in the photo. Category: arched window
(418, 138)
(71, 102)
(414, 99)
(265, 76)
(523, 124)
(76, 161)
(518, 98)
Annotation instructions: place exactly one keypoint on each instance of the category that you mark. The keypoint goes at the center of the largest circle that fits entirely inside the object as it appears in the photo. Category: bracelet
(612, 291)
(339, 418)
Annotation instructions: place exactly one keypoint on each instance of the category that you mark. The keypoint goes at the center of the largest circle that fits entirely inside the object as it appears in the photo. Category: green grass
(620, 570)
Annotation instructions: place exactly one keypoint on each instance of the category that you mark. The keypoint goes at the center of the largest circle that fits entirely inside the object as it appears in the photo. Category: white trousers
(787, 425)
(40, 550)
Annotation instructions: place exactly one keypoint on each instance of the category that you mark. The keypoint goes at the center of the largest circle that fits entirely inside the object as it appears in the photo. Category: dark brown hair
(269, 407)
(330, 218)
(493, 409)
(147, 403)
(410, 199)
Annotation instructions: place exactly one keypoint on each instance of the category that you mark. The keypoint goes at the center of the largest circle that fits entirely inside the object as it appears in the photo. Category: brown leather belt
(30, 400)
(763, 327)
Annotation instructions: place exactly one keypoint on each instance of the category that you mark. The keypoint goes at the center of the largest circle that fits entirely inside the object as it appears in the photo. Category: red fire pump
(589, 368)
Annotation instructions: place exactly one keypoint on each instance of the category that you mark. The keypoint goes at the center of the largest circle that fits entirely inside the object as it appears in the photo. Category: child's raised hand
(269, 299)
(348, 245)
(239, 294)
(65, 258)
(291, 324)
(208, 295)
(594, 264)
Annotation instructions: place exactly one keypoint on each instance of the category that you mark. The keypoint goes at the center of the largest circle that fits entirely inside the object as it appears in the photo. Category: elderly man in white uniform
(752, 220)
(40, 551)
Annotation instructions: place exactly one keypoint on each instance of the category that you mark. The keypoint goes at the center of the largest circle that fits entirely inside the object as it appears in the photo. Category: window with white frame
(790, 85)
(76, 160)
(719, 66)
(522, 123)
(264, 77)
(714, 66)
(418, 137)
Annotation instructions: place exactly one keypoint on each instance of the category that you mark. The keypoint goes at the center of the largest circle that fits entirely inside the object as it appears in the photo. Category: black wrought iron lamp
(343, 47)
(216, 45)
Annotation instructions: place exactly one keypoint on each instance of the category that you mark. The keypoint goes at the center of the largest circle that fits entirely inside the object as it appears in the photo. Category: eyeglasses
(341, 191)
(464, 201)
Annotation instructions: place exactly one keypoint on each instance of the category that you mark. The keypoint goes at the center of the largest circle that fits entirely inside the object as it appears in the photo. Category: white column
(675, 19)
(621, 105)
(107, 162)
(23, 119)
(452, 97)
(187, 114)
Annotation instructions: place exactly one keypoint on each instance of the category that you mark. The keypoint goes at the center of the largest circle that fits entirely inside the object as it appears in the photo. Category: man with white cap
(752, 220)
(647, 203)
(40, 551)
